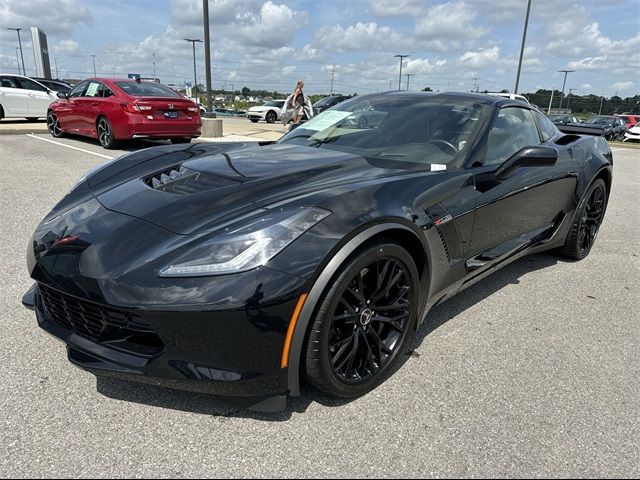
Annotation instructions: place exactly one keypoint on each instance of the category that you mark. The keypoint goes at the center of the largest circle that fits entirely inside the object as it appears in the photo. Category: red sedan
(118, 109)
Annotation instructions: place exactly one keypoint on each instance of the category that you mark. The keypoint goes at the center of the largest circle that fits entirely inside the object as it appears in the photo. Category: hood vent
(182, 180)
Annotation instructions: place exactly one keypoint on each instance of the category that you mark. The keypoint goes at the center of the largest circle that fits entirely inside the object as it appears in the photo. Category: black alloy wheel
(53, 124)
(586, 222)
(363, 322)
(105, 134)
(271, 116)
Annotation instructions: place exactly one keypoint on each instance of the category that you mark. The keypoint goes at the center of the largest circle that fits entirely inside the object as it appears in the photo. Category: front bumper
(256, 115)
(632, 136)
(232, 353)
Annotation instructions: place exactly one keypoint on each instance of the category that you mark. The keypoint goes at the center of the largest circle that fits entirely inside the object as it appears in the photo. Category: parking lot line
(70, 146)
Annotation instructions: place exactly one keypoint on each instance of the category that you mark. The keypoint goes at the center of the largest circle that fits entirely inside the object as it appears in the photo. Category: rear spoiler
(581, 130)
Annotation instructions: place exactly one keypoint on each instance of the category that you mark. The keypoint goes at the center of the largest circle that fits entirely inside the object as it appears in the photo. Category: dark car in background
(54, 85)
(112, 109)
(561, 119)
(328, 102)
(613, 127)
(242, 269)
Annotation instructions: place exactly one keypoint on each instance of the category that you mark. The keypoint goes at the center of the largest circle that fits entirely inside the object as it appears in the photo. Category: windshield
(600, 120)
(417, 129)
(147, 89)
(274, 103)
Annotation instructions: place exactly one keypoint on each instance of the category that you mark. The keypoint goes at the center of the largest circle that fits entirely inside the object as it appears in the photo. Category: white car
(632, 134)
(269, 112)
(22, 97)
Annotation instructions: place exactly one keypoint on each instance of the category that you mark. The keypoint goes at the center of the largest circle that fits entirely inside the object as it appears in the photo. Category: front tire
(254, 120)
(271, 116)
(363, 322)
(53, 124)
(586, 222)
(105, 134)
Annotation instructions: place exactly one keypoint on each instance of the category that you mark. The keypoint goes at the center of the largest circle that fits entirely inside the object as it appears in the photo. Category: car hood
(193, 190)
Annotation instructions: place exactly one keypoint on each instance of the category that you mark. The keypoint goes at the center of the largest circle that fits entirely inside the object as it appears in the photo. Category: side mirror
(527, 157)
(62, 95)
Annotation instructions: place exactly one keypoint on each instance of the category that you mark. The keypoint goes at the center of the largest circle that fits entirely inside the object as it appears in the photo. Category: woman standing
(297, 102)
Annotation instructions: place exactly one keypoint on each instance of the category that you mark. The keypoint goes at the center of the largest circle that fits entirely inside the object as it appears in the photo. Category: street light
(24, 72)
(408, 75)
(207, 55)
(524, 38)
(195, 80)
(563, 84)
(569, 96)
(402, 57)
(94, 65)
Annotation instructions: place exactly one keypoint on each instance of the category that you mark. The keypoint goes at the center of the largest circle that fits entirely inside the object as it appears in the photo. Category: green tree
(245, 91)
(427, 89)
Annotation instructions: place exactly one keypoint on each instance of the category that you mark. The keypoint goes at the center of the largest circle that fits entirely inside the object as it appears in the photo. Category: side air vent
(182, 180)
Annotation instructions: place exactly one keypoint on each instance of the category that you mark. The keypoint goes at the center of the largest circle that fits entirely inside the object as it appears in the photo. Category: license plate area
(170, 114)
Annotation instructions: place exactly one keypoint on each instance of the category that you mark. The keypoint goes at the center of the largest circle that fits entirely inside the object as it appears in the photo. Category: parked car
(512, 96)
(117, 109)
(328, 102)
(633, 134)
(242, 268)
(54, 85)
(629, 120)
(561, 119)
(614, 127)
(21, 97)
(270, 112)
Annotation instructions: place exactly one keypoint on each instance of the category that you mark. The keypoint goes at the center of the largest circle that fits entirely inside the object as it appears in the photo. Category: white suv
(269, 112)
(21, 97)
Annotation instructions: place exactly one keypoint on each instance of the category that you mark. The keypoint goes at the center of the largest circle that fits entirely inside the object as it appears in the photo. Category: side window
(547, 128)
(107, 93)
(31, 85)
(94, 89)
(513, 129)
(8, 82)
(78, 90)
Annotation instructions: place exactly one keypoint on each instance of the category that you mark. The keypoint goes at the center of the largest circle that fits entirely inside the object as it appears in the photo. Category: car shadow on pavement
(205, 404)
(131, 145)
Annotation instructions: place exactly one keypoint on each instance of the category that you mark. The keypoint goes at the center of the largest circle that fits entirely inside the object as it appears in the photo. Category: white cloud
(52, 18)
(360, 36)
(453, 22)
(398, 8)
(481, 58)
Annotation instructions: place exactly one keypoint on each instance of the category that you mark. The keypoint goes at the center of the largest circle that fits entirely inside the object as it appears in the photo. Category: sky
(457, 45)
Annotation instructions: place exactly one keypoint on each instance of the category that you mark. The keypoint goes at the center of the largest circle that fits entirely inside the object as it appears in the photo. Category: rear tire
(586, 222)
(363, 322)
(105, 134)
(1, 112)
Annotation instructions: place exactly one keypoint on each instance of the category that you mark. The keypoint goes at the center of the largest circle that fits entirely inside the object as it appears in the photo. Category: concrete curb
(11, 130)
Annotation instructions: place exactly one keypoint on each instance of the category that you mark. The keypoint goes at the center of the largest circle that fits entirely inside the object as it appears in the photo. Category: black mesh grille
(88, 319)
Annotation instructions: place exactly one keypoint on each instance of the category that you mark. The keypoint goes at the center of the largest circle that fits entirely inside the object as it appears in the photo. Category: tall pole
(207, 53)
(94, 66)
(408, 75)
(154, 66)
(18, 60)
(56, 61)
(333, 71)
(564, 83)
(524, 38)
(550, 100)
(114, 72)
(24, 72)
(402, 57)
(601, 101)
(195, 78)
(569, 96)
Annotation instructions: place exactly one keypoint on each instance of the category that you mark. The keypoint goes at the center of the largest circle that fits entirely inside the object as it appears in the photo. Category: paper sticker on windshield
(325, 120)
(91, 91)
(438, 166)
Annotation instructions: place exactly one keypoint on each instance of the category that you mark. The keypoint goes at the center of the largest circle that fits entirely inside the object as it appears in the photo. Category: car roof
(487, 99)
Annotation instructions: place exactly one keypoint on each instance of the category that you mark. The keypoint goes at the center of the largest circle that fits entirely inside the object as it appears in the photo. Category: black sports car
(241, 269)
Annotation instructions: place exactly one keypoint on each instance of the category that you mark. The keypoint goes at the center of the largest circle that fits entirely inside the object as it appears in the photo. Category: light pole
(569, 96)
(195, 80)
(207, 55)
(524, 38)
(18, 60)
(408, 75)
(563, 84)
(24, 72)
(94, 65)
(56, 62)
(402, 57)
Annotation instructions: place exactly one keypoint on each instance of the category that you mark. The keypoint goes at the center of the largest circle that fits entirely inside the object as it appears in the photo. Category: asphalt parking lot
(534, 372)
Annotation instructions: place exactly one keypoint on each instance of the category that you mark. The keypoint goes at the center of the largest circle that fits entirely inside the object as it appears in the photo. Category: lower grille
(88, 319)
